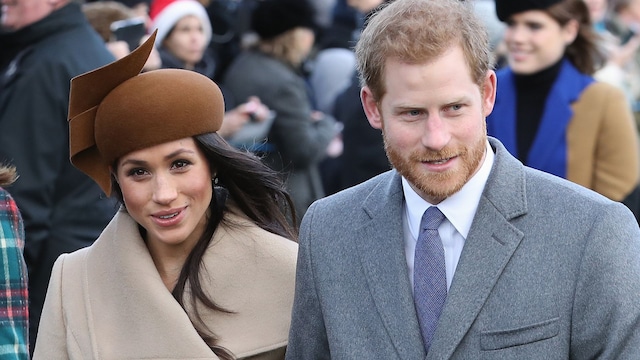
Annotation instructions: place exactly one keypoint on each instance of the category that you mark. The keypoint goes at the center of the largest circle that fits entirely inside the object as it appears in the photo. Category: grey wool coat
(298, 142)
(549, 270)
(108, 301)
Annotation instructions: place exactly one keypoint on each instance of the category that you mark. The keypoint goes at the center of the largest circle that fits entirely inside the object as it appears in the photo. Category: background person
(184, 33)
(44, 44)
(550, 113)
(271, 70)
(14, 312)
(195, 264)
(508, 263)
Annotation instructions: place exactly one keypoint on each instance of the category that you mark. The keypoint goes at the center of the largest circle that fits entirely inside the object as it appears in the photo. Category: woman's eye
(136, 172)
(179, 164)
(535, 26)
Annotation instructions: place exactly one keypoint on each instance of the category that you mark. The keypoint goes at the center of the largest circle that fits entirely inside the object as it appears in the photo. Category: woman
(195, 265)
(549, 110)
(14, 312)
(271, 70)
(184, 33)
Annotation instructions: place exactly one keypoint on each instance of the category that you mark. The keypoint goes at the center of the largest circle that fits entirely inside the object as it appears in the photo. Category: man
(519, 264)
(44, 44)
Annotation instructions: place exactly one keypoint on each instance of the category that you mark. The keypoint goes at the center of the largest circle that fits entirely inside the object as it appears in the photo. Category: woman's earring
(215, 180)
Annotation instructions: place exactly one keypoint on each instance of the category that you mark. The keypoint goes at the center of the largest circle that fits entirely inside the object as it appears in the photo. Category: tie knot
(432, 218)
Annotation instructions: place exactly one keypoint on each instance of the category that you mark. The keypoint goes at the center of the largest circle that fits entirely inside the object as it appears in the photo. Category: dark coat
(297, 143)
(363, 156)
(63, 209)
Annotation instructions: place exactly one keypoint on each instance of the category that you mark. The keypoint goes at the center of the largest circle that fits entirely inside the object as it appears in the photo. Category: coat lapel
(385, 266)
(549, 149)
(124, 278)
(490, 244)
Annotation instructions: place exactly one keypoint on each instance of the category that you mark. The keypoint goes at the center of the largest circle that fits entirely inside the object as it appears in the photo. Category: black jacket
(63, 209)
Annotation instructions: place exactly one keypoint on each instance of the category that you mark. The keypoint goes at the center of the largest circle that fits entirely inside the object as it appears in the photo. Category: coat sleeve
(51, 341)
(14, 326)
(307, 335)
(616, 166)
(299, 139)
(606, 312)
(34, 138)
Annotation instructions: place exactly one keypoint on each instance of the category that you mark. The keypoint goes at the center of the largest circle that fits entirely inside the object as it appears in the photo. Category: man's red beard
(442, 184)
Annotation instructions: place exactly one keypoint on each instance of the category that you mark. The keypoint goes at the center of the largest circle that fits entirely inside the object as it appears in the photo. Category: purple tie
(429, 275)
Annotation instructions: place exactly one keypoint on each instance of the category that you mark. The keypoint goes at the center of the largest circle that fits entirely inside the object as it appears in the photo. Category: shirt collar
(459, 208)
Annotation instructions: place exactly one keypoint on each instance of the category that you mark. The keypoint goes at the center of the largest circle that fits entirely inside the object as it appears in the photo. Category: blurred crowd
(292, 97)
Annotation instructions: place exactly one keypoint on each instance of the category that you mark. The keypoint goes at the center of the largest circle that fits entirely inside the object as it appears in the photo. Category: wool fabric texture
(115, 110)
(166, 14)
(275, 17)
(506, 8)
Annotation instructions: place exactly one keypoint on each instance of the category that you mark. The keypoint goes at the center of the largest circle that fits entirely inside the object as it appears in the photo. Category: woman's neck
(169, 262)
(543, 78)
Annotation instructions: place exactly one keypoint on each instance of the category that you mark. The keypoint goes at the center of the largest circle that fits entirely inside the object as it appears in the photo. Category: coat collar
(548, 151)
(385, 266)
(491, 242)
(127, 289)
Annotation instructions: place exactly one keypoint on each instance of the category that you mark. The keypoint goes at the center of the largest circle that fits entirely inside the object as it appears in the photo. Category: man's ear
(489, 92)
(370, 106)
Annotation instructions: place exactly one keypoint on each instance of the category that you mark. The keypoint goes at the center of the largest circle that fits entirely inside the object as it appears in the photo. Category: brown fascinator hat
(114, 110)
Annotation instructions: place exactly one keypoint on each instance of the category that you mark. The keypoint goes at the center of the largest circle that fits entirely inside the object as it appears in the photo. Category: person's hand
(335, 147)
(119, 49)
(153, 61)
(252, 110)
(255, 109)
(316, 115)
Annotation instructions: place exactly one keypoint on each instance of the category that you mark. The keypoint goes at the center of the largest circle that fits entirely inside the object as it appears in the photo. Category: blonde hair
(8, 175)
(284, 47)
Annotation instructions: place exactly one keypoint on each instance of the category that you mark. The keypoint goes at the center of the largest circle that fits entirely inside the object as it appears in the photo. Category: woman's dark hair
(257, 191)
(584, 53)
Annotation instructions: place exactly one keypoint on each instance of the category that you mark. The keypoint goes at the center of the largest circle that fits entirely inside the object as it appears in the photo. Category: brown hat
(115, 110)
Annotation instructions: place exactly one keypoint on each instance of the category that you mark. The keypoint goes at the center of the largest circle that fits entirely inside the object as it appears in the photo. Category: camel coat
(108, 301)
(587, 133)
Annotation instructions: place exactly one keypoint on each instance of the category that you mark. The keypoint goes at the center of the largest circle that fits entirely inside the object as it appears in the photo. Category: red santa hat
(165, 14)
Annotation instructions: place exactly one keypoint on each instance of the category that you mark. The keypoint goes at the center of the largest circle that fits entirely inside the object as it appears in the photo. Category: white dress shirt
(459, 210)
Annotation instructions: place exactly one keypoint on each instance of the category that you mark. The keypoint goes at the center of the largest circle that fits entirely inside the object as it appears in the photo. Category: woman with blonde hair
(271, 70)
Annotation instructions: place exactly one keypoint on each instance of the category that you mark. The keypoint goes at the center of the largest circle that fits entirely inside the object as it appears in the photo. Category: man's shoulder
(357, 194)
(573, 203)
(551, 184)
(76, 46)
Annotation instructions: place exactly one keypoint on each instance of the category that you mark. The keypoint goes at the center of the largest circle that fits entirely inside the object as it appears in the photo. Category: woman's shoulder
(601, 87)
(243, 233)
(599, 92)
